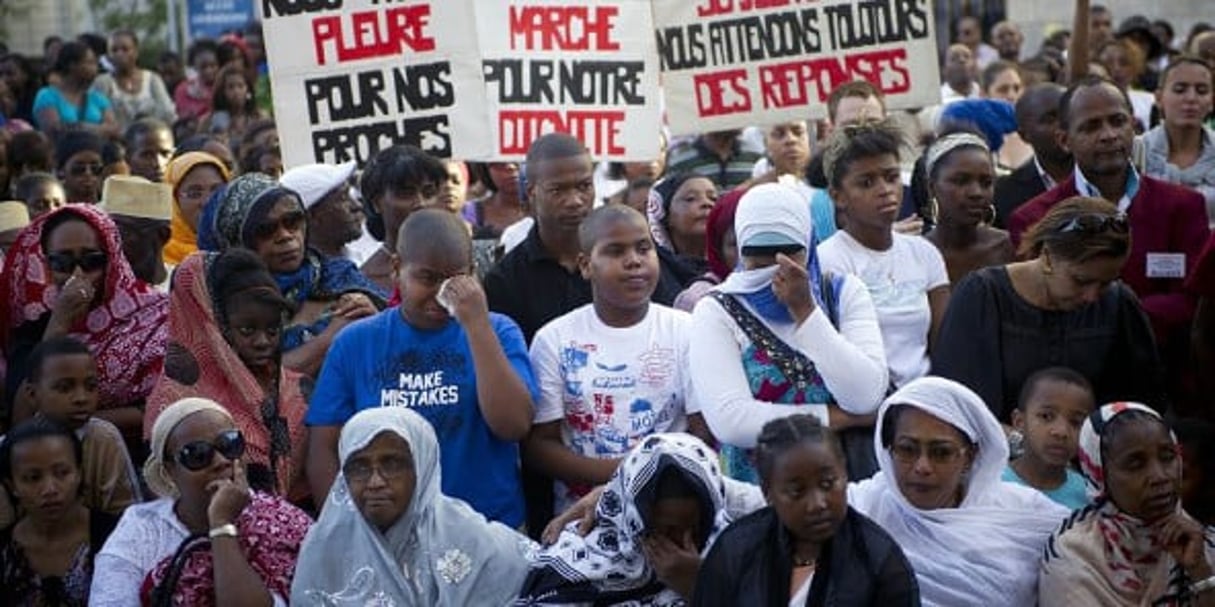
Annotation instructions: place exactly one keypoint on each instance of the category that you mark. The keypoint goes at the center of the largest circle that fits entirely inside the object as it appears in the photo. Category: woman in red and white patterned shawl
(66, 276)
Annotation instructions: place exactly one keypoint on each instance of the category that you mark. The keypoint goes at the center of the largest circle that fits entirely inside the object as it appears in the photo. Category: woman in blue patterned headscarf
(257, 213)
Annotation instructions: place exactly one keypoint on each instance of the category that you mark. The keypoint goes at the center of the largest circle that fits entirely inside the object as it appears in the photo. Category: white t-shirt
(612, 386)
(898, 280)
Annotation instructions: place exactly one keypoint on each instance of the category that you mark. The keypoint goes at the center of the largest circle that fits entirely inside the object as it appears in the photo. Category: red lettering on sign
(712, 8)
(563, 28)
(599, 130)
(375, 33)
(800, 83)
(721, 93)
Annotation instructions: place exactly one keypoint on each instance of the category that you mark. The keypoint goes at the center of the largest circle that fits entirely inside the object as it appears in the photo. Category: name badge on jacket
(1166, 265)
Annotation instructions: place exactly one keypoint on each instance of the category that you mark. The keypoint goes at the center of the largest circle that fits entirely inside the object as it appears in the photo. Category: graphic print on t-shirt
(430, 382)
(598, 423)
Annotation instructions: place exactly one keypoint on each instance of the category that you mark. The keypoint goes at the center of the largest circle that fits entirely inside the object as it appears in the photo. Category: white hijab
(987, 550)
(440, 552)
(766, 214)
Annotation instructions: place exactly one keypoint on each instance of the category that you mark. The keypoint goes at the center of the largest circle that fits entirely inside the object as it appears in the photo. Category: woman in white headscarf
(399, 540)
(971, 538)
(775, 338)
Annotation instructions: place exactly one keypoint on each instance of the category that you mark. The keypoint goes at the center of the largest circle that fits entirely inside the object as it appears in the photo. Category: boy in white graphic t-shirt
(614, 371)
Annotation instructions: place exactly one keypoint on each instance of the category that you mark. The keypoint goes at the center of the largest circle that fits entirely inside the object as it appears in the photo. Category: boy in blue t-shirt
(466, 372)
(1053, 405)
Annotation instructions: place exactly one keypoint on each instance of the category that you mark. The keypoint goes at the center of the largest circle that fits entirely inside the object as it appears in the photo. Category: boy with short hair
(443, 354)
(613, 371)
(63, 385)
(1050, 411)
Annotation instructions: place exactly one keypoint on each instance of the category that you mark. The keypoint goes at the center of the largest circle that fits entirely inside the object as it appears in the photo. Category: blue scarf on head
(755, 287)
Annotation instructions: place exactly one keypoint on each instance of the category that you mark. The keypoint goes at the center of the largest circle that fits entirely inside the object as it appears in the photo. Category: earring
(991, 210)
(934, 209)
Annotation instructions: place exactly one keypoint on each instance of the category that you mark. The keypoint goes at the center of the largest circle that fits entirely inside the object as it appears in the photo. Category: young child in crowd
(443, 354)
(1050, 411)
(614, 371)
(63, 386)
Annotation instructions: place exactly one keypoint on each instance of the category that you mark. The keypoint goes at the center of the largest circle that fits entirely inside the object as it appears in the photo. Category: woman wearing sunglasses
(1063, 307)
(257, 213)
(208, 540)
(225, 319)
(66, 276)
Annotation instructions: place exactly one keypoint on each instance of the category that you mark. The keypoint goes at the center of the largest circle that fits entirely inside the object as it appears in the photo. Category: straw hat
(137, 197)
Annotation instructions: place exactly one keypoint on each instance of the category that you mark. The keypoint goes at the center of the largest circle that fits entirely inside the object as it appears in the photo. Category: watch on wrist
(228, 530)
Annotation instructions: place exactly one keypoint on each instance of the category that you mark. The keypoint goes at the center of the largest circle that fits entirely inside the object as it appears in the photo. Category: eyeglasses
(1096, 224)
(389, 468)
(199, 454)
(79, 170)
(909, 452)
(66, 263)
(195, 192)
(291, 222)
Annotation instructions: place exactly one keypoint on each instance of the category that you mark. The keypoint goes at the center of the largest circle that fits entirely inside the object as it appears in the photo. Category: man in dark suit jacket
(1037, 124)
(1168, 222)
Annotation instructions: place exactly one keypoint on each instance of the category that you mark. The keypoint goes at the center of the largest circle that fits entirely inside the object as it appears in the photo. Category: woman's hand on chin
(1184, 539)
(229, 496)
(71, 304)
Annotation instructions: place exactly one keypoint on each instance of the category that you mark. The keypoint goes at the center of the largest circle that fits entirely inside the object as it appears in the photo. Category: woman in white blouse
(776, 339)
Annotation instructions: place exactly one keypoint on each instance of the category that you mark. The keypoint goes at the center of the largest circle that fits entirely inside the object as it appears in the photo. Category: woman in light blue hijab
(388, 536)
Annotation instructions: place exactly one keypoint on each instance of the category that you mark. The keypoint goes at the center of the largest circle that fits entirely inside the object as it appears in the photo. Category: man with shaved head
(1038, 124)
(443, 354)
(540, 279)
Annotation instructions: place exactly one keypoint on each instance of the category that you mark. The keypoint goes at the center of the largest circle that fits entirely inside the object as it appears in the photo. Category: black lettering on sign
(682, 48)
(580, 82)
(520, 81)
(286, 8)
(361, 142)
(872, 23)
(423, 87)
(345, 97)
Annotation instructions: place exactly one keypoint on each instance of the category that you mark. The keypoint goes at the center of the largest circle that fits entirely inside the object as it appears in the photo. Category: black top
(860, 565)
(532, 288)
(992, 340)
(19, 585)
(1015, 189)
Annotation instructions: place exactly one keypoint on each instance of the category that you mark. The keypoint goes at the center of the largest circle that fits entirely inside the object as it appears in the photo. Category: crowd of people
(955, 355)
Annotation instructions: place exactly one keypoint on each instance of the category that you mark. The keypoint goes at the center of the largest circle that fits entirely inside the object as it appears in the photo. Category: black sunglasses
(66, 263)
(199, 454)
(1096, 224)
(289, 221)
(79, 170)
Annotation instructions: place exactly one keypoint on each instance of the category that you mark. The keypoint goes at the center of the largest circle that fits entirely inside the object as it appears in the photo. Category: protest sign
(214, 18)
(352, 77)
(727, 64)
(584, 67)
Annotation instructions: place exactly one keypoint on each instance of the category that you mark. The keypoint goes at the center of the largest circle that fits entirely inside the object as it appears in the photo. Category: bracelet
(229, 530)
(1203, 585)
